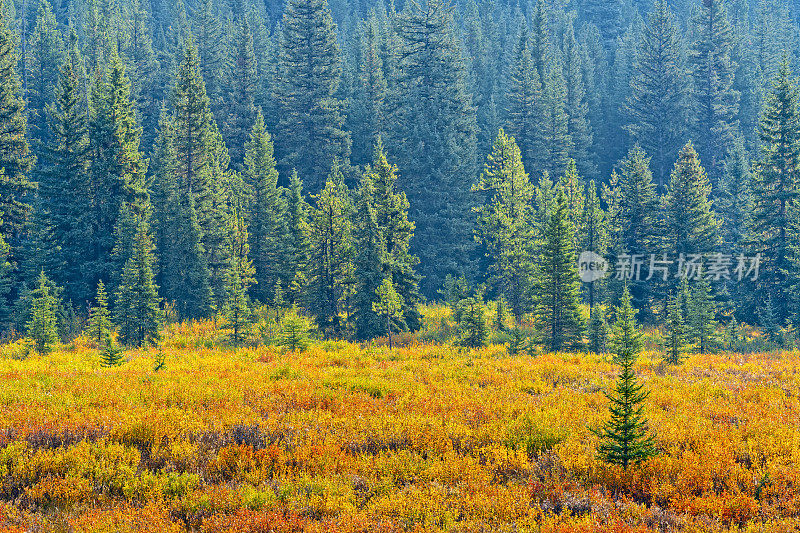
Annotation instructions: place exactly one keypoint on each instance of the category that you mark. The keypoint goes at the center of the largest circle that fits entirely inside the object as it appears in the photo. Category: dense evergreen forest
(354, 158)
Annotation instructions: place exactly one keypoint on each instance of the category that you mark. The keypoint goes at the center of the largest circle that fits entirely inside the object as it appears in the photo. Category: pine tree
(311, 113)
(390, 305)
(99, 325)
(137, 312)
(715, 101)
(472, 326)
(331, 254)
(658, 107)
(435, 129)
(776, 186)
(556, 286)
(42, 326)
(675, 341)
(690, 225)
(294, 332)
(238, 279)
(701, 318)
(504, 223)
(16, 159)
(624, 439)
(266, 214)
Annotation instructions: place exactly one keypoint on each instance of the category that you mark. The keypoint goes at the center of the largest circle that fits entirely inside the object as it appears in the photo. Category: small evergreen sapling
(294, 332)
(112, 354)
(625, 439)
(675, 341)
(42, 325)
(472, 325)
(389, 305)
(99, 326)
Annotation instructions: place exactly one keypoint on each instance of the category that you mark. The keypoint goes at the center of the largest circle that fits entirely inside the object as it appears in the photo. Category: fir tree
(238, 278)
(298, 245)
(389, 305)
(657, 107)
(241, 110)
(524, 98)
(735, 198)
(624, 439)
(472, 326)
(593, 237)
(311, 113)
(42, 326)
(576, 105)
(46, 54)
(99, 325)
(715, 100)
(556, 286)
(504, 223)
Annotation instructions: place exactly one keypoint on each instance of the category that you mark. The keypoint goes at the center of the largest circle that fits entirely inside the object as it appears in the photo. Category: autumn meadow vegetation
(193, 435)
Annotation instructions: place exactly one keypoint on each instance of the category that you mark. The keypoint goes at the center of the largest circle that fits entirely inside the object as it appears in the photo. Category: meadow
(425, 437)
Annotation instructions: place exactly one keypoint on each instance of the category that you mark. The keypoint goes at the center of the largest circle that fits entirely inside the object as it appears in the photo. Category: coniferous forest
(201, 159)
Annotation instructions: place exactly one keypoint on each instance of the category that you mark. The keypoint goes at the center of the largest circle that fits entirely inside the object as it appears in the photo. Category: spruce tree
(111, 355)
(16, 159)
(472, 326)
(294, 332)
(554, 141)
(331, 254)
(524, 98)
(46, 54)
(310, 111)
(266, 215)
(369, 262)
(701, 318)
(397, 232)
(714, 99)
(208, 29)
(137, 312)
(734, 198)
(64, 184)
(690, 224)
(241, 111)
(776, 186)
(238, 279)
(576, 105)
(675, 340)
(625, 439)
(593, 237)
(389, 304)
(42, 326)
(504, 223)
(99, 325)
(658, 107)
(435, 128)
(298, 246)
(556, 285)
